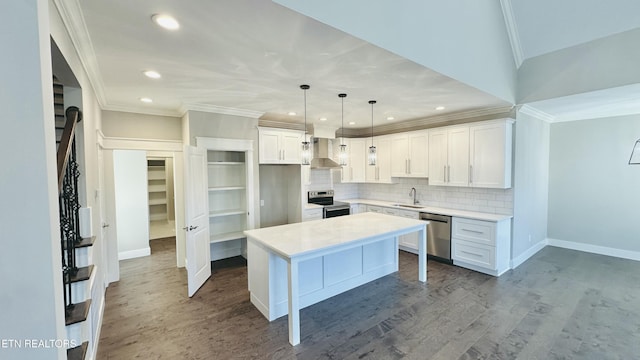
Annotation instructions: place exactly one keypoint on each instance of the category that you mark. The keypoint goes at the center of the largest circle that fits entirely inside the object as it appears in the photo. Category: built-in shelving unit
(227, 195)
(157, 188)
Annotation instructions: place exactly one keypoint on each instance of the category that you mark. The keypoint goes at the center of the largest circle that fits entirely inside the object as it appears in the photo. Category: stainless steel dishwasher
(438, 236)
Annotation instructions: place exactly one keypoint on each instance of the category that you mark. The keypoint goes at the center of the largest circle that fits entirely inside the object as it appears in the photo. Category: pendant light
(342, 157)
(373, 157)
(306, 151)
(634, 159)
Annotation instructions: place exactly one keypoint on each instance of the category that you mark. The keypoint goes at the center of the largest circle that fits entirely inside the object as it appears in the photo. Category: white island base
(293, 266)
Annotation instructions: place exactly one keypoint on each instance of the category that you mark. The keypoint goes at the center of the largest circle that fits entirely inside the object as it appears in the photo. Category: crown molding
(143, 110)
(512, 31)
(73, 20)
(221, 110)
(538, 114)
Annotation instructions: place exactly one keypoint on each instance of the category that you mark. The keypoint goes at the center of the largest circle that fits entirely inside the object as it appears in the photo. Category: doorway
(161, 195)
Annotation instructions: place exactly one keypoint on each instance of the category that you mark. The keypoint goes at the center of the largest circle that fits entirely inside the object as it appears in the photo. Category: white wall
(463, 39)
(593, 193)
(30, 268)
(530, 187)
(140, 126)
(132, 205)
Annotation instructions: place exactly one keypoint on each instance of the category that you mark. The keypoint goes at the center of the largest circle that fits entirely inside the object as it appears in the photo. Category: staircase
(76, 251)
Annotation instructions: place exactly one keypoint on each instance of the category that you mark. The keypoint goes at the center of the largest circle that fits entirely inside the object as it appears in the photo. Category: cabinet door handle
(470, 173)
(409, 162)
(448, 173)
(377, 173)
(473, 231)
(283, 154)
(406, 166)
(444, 174)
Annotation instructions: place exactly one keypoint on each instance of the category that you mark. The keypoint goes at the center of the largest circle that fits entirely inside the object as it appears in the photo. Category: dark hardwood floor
(561, 304)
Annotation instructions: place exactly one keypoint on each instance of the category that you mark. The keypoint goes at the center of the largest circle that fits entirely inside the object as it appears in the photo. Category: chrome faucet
(414, 192)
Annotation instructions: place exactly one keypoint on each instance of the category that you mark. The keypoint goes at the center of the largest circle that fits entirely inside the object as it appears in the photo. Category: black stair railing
(69, 205)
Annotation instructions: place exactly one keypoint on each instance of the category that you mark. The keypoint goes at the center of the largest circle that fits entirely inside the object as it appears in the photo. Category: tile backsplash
(495, 201)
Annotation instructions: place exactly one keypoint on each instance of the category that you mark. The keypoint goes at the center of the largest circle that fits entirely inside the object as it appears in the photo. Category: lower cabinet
(357, 208)
(483, 246)
(312, 214)
(408, 242)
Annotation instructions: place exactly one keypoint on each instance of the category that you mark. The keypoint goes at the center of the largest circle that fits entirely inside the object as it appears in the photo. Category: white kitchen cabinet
(483, 246)
(410, 154)
(312, 214)
(381, 172)
(449, 156)
(357, 208)
(354, 171)
(408, 242)
(490, 149)
(279, 146)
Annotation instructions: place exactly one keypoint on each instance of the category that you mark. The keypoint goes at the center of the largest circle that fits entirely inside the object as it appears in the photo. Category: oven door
(333, 212)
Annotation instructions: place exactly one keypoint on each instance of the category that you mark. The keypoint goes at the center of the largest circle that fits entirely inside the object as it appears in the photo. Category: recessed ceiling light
(146, 100)
(165, 21)
(323, 119)
(152, 74)
(352, 122)
(390, 118)
(292, 113)
(440, 108)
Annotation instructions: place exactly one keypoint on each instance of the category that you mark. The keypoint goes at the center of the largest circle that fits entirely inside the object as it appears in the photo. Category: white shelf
(215, 238)
(157, 188)
(158, 216)
(226, 188)
(230, 212)
(225, 163)
(157, 201)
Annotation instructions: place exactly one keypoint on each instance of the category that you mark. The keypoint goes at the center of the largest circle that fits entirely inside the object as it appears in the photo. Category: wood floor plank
(559, 304)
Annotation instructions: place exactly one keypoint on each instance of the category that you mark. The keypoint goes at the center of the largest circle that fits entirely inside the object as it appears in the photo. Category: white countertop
(435, 210)
(297, 239)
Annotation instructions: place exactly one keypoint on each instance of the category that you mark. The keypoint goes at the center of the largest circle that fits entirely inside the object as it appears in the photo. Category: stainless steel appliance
(330, 208)
(438, 236)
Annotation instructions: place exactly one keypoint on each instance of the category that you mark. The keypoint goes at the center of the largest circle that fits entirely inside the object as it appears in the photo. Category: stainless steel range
(330, 208)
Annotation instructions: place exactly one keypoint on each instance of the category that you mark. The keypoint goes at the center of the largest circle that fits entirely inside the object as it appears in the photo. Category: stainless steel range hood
(321, 158)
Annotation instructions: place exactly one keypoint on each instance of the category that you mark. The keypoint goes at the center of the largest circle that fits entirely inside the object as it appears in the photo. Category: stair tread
(78, 352)
(79, 313)
(86, 242)
(84, 273)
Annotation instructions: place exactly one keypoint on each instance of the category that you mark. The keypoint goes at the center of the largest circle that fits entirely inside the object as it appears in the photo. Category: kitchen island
(297, 265)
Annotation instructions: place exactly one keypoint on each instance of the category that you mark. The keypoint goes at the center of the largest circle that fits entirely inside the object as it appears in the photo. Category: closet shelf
(225, 163)
(228, 212)
(214, 238)
(226, 188)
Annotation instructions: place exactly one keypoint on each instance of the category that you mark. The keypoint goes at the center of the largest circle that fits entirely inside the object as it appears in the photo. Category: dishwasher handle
(435, 217)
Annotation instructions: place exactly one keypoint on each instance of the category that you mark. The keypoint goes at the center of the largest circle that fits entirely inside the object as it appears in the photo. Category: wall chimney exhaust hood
(321, 136)
(321, 158)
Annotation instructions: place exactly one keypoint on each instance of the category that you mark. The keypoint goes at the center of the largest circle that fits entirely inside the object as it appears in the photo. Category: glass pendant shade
(306, 153)
(373, 156)
(342, 156)
(634, 159)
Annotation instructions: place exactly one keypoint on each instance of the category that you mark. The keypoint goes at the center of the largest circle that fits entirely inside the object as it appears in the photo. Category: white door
(399, 152)
(270, 152)
(196, 219)
(358, 157)
(458, 156)
(418, 154)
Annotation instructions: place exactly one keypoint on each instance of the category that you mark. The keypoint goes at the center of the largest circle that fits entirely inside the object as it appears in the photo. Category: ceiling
(249, 57)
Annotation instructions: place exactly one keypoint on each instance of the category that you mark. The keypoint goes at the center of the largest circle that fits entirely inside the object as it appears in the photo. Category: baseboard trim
(595, 249)
(124, 255)
(528, 253)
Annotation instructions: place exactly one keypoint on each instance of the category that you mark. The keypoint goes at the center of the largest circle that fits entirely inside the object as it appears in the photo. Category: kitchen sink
(409, 206)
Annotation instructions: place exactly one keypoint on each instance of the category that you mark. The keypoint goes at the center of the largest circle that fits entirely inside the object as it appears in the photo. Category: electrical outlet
(262, 204)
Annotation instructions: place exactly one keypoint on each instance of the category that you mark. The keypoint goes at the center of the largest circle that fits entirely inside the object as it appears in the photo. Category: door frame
(173, 149)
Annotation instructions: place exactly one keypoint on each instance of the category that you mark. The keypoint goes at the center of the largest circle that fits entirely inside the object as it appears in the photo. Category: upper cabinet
(280, 146)
(381, 172)
(490, 149)
(410, 154)
(471, 155)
